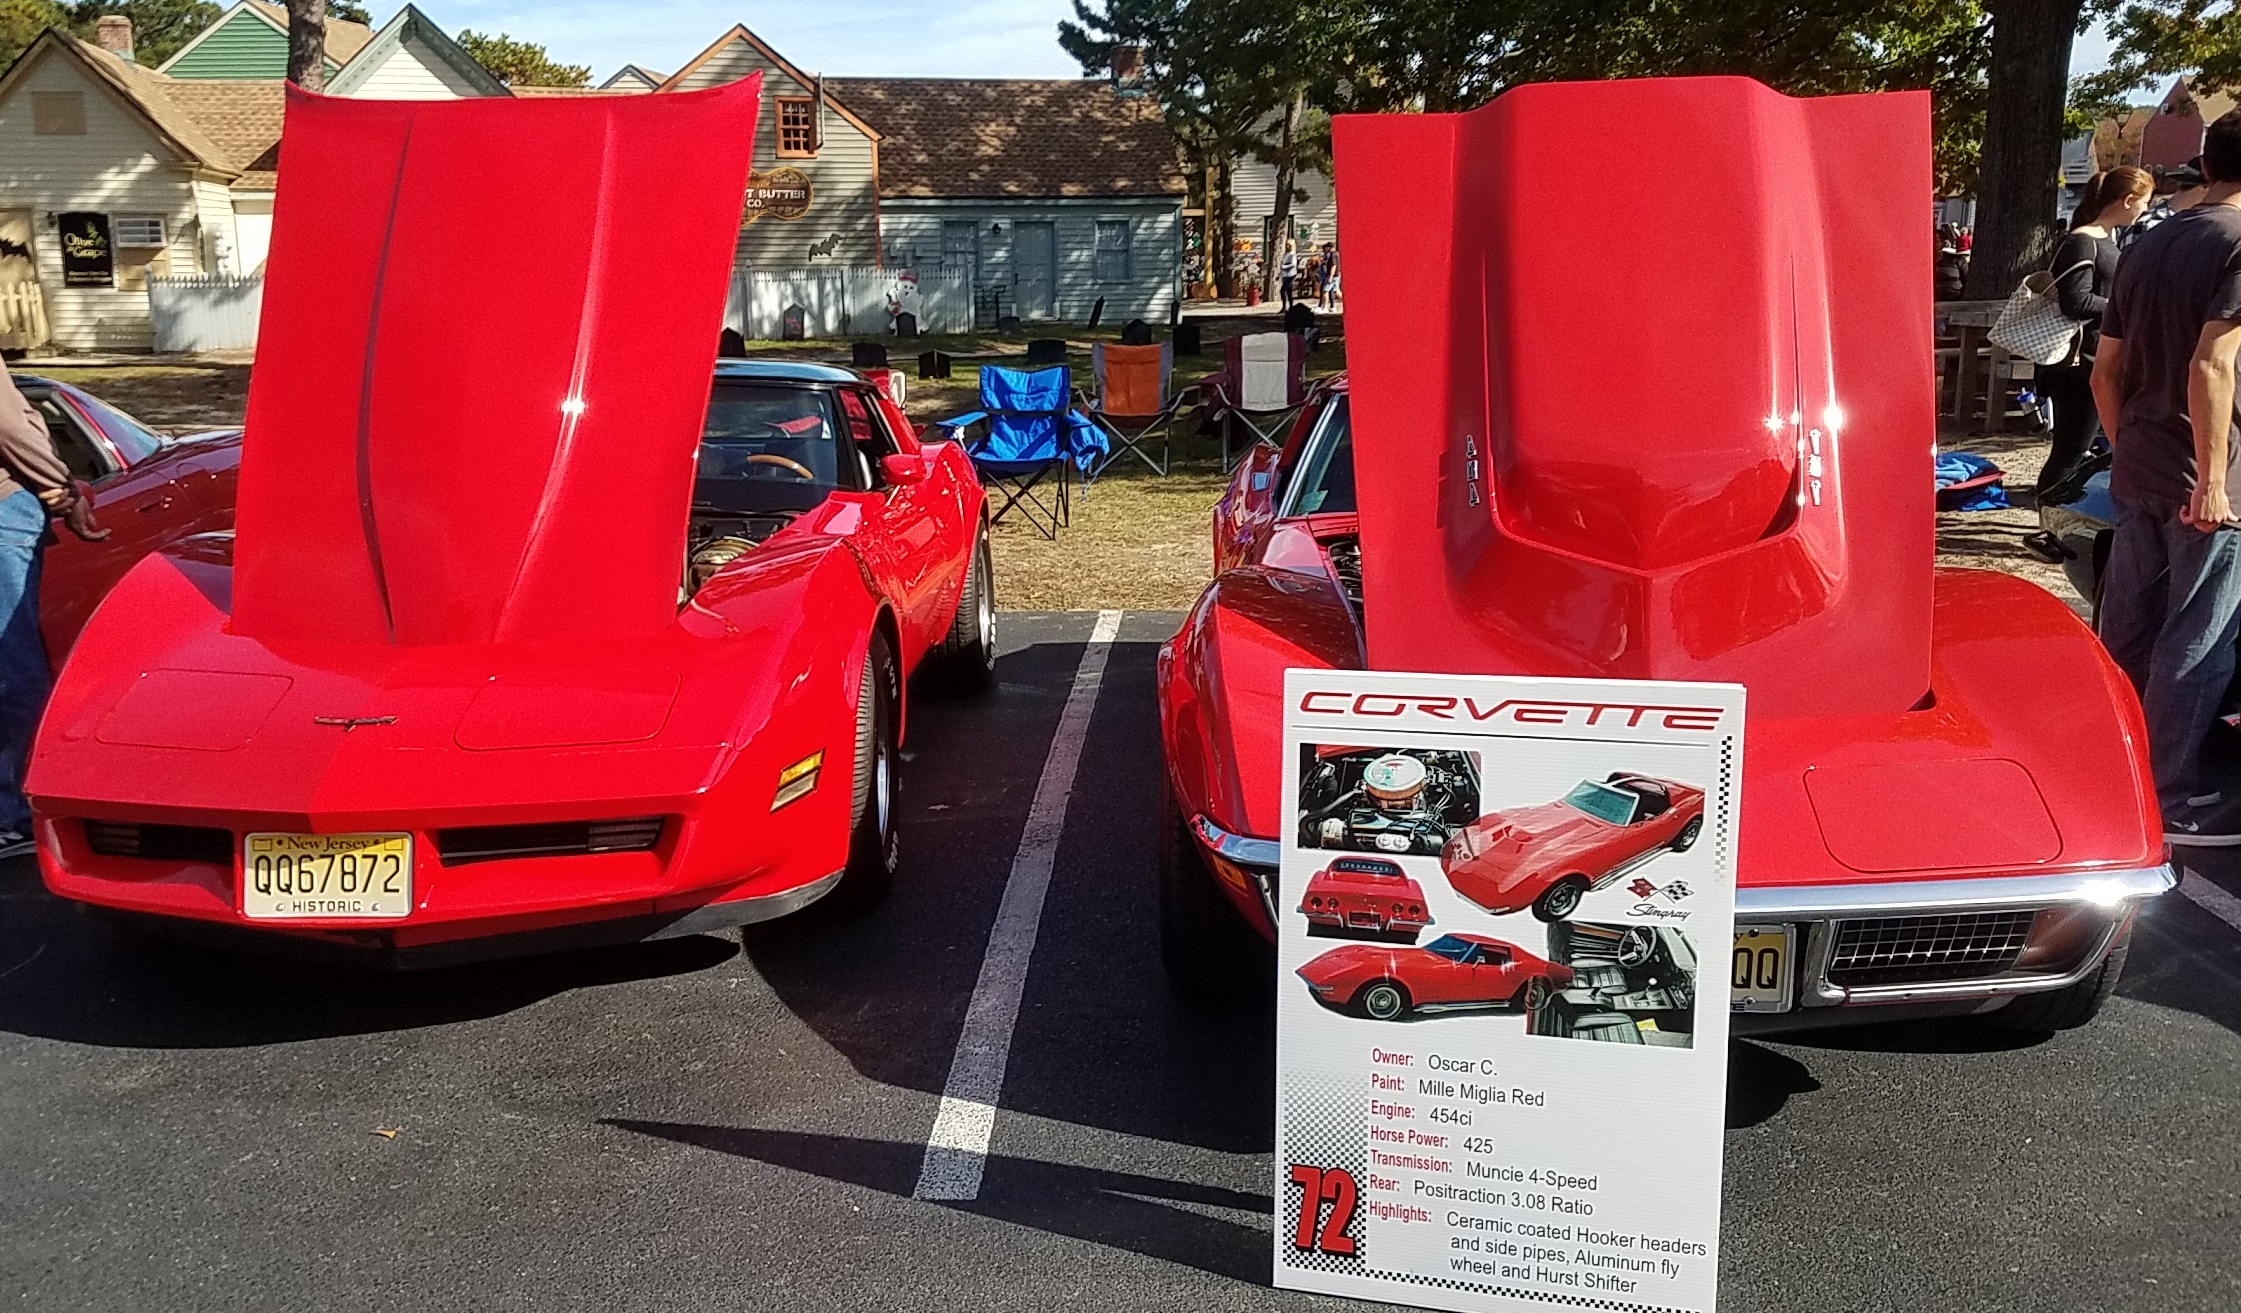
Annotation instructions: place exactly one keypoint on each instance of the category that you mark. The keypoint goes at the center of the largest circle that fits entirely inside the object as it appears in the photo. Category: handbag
(2032, 325)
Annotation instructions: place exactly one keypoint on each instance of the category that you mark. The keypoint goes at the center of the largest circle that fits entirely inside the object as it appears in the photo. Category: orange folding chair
(1133, 405)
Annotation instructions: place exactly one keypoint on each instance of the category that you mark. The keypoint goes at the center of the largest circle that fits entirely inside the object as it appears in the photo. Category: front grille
(161, 843)
(1906, 949)
(490, 843)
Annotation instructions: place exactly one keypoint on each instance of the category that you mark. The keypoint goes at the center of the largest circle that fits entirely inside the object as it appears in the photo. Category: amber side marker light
(796, 781)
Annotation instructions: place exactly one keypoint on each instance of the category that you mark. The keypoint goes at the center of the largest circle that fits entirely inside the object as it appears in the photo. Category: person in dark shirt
(2164, 383)
(2085, 265)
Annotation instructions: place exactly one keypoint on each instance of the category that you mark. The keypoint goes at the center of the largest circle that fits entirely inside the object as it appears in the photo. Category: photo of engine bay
(1631, 984)
(1398, 801)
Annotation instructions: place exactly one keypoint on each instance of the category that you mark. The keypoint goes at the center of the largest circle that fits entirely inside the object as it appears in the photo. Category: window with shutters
(797, 128)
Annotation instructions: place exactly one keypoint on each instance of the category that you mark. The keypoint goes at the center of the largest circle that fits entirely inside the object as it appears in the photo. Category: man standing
(33, 483)
(1287, 272)
(2164, 386)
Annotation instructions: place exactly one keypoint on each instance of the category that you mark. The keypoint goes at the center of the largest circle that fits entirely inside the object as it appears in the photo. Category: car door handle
(153, 504)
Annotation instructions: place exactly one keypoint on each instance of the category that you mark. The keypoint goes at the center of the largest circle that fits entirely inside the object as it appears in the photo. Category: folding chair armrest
(960, 422)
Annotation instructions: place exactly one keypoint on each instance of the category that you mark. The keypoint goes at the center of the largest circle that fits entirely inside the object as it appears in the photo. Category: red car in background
(1549, 857)
(1743, 493)
(1453, 973)
(148, 492)
(1364, 897)
(539, 627)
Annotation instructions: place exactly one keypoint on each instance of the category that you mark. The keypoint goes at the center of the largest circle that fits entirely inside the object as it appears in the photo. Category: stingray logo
(1515, 711)
(349, 723)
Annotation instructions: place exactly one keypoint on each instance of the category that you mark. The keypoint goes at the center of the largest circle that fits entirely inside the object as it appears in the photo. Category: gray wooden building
(1054, 193)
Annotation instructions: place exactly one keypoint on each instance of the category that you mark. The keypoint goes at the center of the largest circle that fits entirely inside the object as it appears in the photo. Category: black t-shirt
(2083, 293)
(2184, 274)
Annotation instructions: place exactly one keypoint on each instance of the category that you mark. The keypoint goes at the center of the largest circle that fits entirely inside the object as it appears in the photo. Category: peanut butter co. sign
(778, 194)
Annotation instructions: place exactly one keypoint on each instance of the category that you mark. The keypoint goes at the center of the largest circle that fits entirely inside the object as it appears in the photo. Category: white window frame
(1126, 250)
(122, 224)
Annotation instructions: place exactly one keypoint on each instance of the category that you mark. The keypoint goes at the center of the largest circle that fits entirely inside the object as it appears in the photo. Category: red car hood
(1527, 834)
(487, 336)
(1342, 962)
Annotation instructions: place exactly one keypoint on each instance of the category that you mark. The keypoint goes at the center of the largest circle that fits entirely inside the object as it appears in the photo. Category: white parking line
(2211, 898)
(957, 1149)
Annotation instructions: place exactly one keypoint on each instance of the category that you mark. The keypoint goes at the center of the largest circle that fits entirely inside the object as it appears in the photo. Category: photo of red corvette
(1364, 898)
(1453, 973)
(539, 627)
(1550, 856)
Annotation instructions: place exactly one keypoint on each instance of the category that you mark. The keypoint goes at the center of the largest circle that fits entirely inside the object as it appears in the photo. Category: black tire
(1383, 1000)
(874, 844)
(2064, 1009)
(1686, 839)
(965, 660)
(1533, 995)
(1561, 899)
(1209, 951)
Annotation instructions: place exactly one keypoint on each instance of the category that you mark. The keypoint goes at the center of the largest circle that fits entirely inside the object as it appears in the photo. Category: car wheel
(1561, 899)
(2064, 1009)
(1686, 839)
(1382, 1000)
(1535, 995)
(966, 657)
(1210, 953)
(874, 844)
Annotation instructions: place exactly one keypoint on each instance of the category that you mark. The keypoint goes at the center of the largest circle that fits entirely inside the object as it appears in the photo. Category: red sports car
(1364, 897)
(148, 491)
(1453, 973)
(1549, 857)
(530, 635)
(1721, 473)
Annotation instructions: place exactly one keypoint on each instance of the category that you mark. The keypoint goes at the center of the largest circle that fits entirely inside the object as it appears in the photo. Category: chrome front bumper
(2104, 903)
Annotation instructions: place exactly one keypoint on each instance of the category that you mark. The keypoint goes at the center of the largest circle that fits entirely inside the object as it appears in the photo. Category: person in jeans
(2164, 384)
(33, 483)
(2084, 266)
(1287, 273)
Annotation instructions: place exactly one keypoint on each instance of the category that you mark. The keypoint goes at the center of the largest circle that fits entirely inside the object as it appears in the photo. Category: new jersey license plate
(287, 877)
(1759, 972)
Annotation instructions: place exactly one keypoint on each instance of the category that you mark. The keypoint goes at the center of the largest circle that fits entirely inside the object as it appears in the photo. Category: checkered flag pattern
(1326, 1125)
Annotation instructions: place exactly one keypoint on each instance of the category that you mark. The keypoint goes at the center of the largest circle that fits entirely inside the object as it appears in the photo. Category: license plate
(1759, 971)
(322, 877)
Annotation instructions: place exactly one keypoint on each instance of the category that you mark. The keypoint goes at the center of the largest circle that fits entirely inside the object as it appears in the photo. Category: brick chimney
(113, 33)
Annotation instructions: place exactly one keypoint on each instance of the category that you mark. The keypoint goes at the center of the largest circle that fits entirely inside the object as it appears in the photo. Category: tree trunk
(2020, 171)
(1287, 168)
(1222, 228)
(307, 44)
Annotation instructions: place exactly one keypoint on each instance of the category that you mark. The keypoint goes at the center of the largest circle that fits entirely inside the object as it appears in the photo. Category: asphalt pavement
(707, 1124)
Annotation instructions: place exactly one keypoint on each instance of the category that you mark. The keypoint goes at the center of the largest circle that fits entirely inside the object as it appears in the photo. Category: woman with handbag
(2084, 267)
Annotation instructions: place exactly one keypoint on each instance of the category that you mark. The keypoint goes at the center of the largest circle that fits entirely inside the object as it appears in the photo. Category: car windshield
(770, 448)
(1451, 946)
(133, 440)
(1324, 482)
(1603, 802)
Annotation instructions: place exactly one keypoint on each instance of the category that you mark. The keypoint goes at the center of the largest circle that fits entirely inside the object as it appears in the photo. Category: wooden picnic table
(1973, 379)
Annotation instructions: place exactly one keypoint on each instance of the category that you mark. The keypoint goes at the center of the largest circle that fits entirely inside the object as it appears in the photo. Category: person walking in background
(2085, 268)
(1287, 272)
(2164, 382)
(1951, 265)
(1330, 275)
(33, 483)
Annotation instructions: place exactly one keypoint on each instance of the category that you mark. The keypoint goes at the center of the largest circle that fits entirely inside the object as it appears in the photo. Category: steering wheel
(764, 458)
(1636, 946)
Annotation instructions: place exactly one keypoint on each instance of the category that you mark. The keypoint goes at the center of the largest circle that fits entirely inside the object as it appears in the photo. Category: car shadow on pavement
(66, 976)
(1173, 1221)
(1761, 1082)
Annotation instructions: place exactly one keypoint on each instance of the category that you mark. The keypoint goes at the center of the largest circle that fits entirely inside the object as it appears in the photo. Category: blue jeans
(23, 658)
(2170, 615)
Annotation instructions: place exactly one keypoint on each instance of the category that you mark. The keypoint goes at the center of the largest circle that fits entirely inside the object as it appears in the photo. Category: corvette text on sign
(1505, 928)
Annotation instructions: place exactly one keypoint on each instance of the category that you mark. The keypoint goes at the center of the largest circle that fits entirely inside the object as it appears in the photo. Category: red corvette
(1722, 473)
(148, 492)
(1364, 897)
(1453, 973)
(528, 637)
(1549, 857)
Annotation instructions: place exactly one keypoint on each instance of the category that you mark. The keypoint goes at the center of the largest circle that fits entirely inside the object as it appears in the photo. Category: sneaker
(14, 843)
(2202, 827)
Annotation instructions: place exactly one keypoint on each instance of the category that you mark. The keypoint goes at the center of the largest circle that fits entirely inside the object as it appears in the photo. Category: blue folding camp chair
(1031, 435)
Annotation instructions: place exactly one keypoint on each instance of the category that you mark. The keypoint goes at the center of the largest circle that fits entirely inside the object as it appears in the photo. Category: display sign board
(783, 193)
(88, 257)
(1505, 924)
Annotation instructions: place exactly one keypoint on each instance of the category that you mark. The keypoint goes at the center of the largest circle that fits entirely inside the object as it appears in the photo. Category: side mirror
(903, 467)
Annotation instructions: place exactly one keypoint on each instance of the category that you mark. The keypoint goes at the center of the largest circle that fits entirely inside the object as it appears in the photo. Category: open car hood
(1597, 442)
(488, 331)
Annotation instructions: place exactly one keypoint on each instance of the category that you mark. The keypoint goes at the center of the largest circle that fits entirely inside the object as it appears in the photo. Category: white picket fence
(844, 300)
(205, 312)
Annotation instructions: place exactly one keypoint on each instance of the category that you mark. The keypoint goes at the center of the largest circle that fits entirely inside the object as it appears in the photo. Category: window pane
(58, 113)
(1112, 250)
